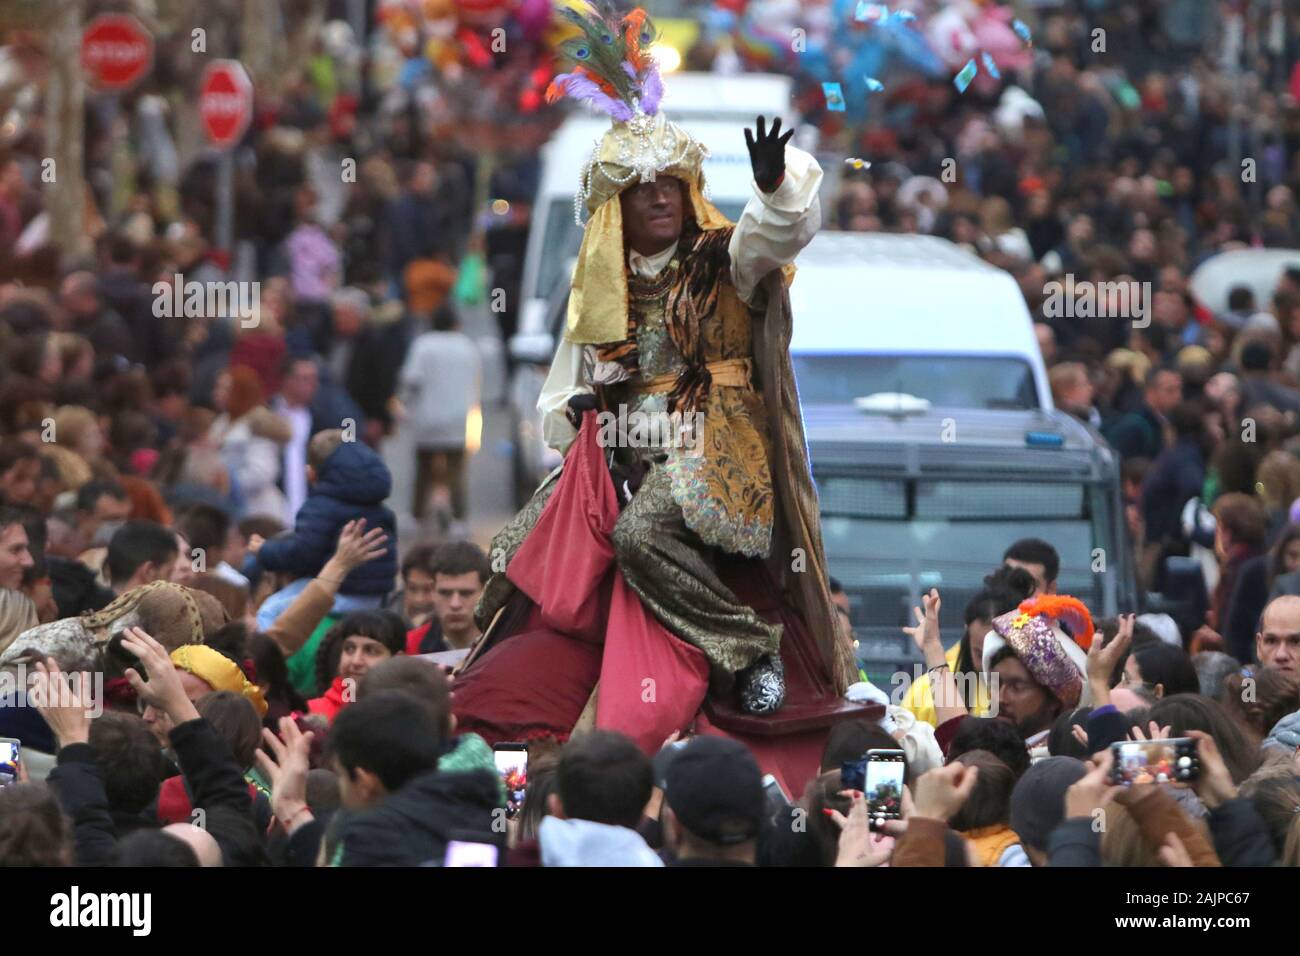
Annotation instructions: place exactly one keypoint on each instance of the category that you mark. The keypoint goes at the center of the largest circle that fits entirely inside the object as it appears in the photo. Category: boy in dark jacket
(409, 799)
(348, 480)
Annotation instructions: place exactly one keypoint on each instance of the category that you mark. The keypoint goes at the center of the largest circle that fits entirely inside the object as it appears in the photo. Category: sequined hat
(1052, 657)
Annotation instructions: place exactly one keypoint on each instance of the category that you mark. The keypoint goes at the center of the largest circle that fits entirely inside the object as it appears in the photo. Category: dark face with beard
(1022, 701)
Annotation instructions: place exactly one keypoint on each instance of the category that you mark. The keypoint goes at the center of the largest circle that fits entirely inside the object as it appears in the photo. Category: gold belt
(728, 373)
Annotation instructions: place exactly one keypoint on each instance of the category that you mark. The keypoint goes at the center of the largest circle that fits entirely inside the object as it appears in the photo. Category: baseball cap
(715, 789)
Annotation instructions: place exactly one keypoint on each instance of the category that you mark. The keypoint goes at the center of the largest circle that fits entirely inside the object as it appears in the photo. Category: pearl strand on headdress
(643, 160)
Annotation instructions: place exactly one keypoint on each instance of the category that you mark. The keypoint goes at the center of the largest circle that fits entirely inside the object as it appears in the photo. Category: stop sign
(225, 102)
(116, 52)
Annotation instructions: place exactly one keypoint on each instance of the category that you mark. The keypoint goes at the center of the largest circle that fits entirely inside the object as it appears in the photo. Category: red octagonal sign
(116, 52)
(225, 102)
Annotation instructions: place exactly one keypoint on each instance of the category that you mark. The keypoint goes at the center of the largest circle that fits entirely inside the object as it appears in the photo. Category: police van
(933, 438)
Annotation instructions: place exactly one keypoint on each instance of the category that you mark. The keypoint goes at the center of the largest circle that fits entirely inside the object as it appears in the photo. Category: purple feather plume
(581, 88)
(652, 91)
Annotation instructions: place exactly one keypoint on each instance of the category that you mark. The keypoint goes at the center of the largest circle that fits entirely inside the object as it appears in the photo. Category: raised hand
(859, 844)
(357, 545)
(767, 154)
(1214, 784)
(287, 770)
(66, 701)
(1155, 730)
(926, 632)
(941, 792)
(163, 689)
(1102, 660)
(1092, 790)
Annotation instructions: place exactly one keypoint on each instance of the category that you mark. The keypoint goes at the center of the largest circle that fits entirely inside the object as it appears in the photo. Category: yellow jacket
(920, 700)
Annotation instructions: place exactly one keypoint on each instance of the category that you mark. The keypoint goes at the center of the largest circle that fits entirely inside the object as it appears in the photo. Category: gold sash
(727, 373)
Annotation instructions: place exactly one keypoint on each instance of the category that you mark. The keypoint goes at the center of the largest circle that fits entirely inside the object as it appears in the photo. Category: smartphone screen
(1154, 761)
(10, 751)
(512, 764)
(884, 784)
(462, 853)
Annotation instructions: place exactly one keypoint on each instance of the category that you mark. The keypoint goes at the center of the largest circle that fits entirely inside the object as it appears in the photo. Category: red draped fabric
(586, 626)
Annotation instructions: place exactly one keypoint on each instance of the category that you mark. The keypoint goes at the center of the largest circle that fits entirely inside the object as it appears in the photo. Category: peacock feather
(613, 69)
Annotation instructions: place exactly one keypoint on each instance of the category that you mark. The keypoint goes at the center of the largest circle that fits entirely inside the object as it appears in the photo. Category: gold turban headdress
(615, 73)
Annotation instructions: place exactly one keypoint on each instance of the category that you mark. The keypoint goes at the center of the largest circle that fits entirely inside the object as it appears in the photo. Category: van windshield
(961, 381)
(888, 541)
(563, 237)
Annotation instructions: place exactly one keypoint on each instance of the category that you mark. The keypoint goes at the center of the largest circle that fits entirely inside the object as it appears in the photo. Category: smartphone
(464, 853)
(1175, 760)
(10, 753)
(512, 763)
(775, 799)
(884, 784)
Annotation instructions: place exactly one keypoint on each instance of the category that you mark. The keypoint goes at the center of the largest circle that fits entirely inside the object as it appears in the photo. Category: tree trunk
(65, 97)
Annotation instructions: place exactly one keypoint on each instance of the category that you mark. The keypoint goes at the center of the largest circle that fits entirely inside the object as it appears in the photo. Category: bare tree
(65, 97)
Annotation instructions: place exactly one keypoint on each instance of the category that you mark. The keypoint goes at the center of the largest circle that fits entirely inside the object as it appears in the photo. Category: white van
(915, 317)
(713, 109)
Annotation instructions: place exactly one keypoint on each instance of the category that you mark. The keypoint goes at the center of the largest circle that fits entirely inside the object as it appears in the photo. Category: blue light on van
(1044, 440)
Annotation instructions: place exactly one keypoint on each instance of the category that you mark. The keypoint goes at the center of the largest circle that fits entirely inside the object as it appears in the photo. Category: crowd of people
(318, 743)
(202, 578)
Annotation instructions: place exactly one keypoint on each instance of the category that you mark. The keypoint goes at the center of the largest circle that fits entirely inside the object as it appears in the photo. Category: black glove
(767, 154)
(578, 406)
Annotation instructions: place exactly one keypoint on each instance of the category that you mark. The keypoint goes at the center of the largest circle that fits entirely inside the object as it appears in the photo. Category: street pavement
(491, 502)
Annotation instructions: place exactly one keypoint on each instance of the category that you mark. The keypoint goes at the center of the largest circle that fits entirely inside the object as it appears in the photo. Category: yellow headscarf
(218, 672)
(631, 152)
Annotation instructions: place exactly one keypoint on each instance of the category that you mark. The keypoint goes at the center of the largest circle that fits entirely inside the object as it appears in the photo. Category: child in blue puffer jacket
(347, 480)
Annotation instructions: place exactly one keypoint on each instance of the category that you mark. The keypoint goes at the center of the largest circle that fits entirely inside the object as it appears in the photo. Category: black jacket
(1074, 843)
(219, 790)
(413, 825)
(1245, 605)
(1174, 478)
(1240, 836)
(78, 783)
(1139, 434)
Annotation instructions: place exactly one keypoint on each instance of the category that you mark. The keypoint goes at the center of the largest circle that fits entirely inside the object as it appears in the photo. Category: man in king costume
(678, 315)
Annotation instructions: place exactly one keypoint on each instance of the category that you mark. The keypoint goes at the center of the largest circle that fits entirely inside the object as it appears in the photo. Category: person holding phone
(404, 804)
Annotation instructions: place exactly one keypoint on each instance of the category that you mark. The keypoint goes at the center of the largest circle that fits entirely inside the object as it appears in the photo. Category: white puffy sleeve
(774, 227)
(562, 383)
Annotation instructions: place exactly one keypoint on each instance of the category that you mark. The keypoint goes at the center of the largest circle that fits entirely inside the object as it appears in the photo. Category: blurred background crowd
(383, 189)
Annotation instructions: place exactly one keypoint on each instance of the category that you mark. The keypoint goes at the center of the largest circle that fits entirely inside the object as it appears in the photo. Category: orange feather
(632, 37)
(604, 84)
(1063, 607)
